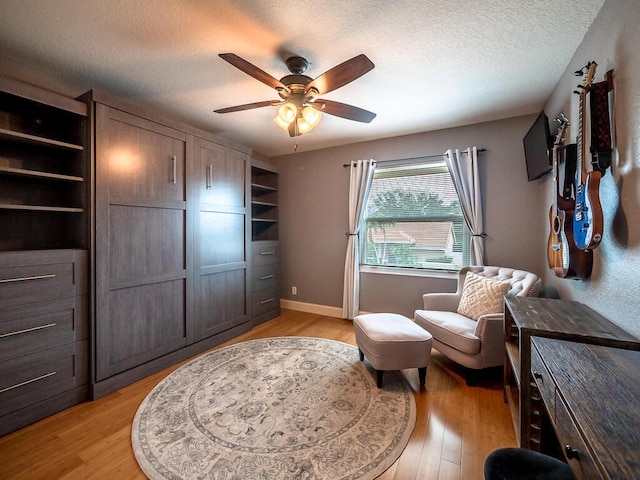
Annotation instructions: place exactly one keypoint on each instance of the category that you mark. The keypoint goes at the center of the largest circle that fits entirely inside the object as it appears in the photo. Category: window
(413, 219)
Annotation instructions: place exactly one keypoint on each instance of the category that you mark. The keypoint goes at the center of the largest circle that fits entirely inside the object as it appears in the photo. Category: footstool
(392, 342)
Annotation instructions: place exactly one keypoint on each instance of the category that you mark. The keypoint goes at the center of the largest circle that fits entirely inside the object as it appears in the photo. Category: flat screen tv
(537, 148)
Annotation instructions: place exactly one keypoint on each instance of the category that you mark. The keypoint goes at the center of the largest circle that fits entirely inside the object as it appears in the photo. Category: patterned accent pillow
(481, 295)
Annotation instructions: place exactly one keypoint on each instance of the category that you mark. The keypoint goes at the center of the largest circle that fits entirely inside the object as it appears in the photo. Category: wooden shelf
(25, 137)
(513, 355)
(263, 204)
(38, 174)
(266, 188)
(265, 220)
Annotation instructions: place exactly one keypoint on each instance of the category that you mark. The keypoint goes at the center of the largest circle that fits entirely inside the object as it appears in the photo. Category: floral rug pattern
(276, 408)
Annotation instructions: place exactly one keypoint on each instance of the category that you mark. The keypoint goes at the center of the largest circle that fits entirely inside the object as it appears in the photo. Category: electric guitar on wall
(587, 220)
(565, 259)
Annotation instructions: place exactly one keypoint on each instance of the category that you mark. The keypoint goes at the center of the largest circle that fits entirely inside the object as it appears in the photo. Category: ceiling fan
(300, 108)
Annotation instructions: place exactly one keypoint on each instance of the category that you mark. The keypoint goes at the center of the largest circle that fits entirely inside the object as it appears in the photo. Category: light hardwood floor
(457, 426)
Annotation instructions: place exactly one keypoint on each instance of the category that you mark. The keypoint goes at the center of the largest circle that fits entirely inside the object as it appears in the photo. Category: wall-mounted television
(537, 148)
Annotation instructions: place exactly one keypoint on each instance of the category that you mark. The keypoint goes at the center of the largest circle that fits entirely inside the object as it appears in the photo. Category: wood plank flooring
(457, 426)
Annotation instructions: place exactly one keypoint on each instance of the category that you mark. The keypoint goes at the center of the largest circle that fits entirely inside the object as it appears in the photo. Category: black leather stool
(523, 464)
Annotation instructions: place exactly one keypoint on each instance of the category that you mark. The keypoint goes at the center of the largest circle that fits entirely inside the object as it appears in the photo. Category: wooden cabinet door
(141, 243)
(218, 181)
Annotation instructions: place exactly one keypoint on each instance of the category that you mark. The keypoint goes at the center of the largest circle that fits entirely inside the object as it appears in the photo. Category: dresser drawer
(27, 329)
(33, 378)
(265, 253)
(35, 276)
(264, 301)
(573, 445)
(544, 381)
(264, 277)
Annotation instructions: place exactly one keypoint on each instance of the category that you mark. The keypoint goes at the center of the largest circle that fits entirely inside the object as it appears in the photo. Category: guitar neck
(580, 165)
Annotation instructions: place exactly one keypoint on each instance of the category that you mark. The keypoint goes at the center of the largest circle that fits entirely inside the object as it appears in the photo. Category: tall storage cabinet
(171, 235)
(141, 243)
(265, 283)
(44, 225)
(218, 186)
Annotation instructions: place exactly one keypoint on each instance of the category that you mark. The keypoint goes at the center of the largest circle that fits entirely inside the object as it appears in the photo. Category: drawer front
(33, 378)
(27, 329)
(265, 300)
(544, 382)
(27, 277)
(265, 253)
(264, 277)
(581, 462)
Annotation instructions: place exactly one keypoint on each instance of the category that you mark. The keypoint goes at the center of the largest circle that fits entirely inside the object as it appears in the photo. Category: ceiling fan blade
(341, 74)
(249, 106)
(343, 110)
(252, 70)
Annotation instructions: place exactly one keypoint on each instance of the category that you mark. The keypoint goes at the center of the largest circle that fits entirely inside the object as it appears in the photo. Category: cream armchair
(475, 343)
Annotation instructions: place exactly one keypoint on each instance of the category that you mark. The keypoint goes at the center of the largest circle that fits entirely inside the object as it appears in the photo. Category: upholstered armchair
(467, 326)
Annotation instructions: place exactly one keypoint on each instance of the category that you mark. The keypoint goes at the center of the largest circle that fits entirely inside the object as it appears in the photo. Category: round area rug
(275, 408)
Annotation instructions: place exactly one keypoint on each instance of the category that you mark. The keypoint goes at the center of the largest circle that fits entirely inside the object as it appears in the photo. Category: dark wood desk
(592, 397)
(545, 317)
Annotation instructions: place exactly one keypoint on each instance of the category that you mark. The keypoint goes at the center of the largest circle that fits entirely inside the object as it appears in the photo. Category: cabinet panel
(265, 253)
(220, 175)
(32, 378)
(143, 159)
(264, 301)
(145, 242)
(265, 277)
(221, 238)
(219, 197)
(31, 328)
(27, 277)
(144, 323)
(221, 303)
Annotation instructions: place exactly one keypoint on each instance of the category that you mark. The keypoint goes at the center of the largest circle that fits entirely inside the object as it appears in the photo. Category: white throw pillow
(481, 295)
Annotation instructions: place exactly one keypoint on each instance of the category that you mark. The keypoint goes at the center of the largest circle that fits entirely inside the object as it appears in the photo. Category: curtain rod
(480, 150)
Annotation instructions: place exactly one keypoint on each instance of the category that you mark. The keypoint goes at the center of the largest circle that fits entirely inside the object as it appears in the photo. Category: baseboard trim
(312, 308)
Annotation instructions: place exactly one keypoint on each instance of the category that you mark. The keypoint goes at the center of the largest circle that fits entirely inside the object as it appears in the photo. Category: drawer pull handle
(174, 169)
(538, 375)
(267, 253)
(268, 300)
(267, 277)
(27, 330)
(571, 452)
(24, 279)
(209, 180)
(21, 384)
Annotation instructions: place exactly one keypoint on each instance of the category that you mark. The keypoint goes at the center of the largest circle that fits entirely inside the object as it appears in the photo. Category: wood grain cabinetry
(220, 197)
(43, 334)
(265, 283)
(141, 245)
(171, 241)
(43, 169)
(543, 317)
(590, 393)
(44, 236)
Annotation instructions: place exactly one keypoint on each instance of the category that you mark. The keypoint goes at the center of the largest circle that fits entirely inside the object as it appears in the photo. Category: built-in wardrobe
(171, 246)
(126, 246)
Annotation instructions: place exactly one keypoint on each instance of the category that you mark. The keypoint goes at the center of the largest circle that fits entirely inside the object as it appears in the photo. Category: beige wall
(612, 290)
(313, 212)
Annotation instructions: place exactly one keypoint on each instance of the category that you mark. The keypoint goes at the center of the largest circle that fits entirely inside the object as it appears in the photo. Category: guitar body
(565, 259)
(588, 219)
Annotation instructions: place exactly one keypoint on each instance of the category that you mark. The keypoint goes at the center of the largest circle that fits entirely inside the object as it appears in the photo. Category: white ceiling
(439, 63)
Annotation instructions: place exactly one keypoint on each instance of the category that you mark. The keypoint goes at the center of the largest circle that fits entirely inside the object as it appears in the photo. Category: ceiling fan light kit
(300, 110)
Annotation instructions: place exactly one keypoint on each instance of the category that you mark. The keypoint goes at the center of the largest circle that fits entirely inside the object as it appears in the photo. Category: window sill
(408, 272)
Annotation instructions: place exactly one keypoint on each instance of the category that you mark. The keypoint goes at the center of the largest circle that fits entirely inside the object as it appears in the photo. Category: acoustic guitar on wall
(588, 219)
(565, 259)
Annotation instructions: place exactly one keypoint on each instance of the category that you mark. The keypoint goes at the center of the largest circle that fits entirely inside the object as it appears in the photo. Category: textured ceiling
(439, 63)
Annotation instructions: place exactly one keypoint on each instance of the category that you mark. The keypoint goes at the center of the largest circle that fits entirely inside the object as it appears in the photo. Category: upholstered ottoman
(392, 342)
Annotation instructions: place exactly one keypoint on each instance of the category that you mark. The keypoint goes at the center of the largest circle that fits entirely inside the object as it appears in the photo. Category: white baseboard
(311, 308)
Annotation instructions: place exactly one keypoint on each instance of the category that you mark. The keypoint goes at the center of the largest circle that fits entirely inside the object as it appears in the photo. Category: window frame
(439, 166)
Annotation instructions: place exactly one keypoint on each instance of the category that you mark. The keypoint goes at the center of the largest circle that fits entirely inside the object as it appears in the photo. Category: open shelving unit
(264, 202)
(43, 169)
